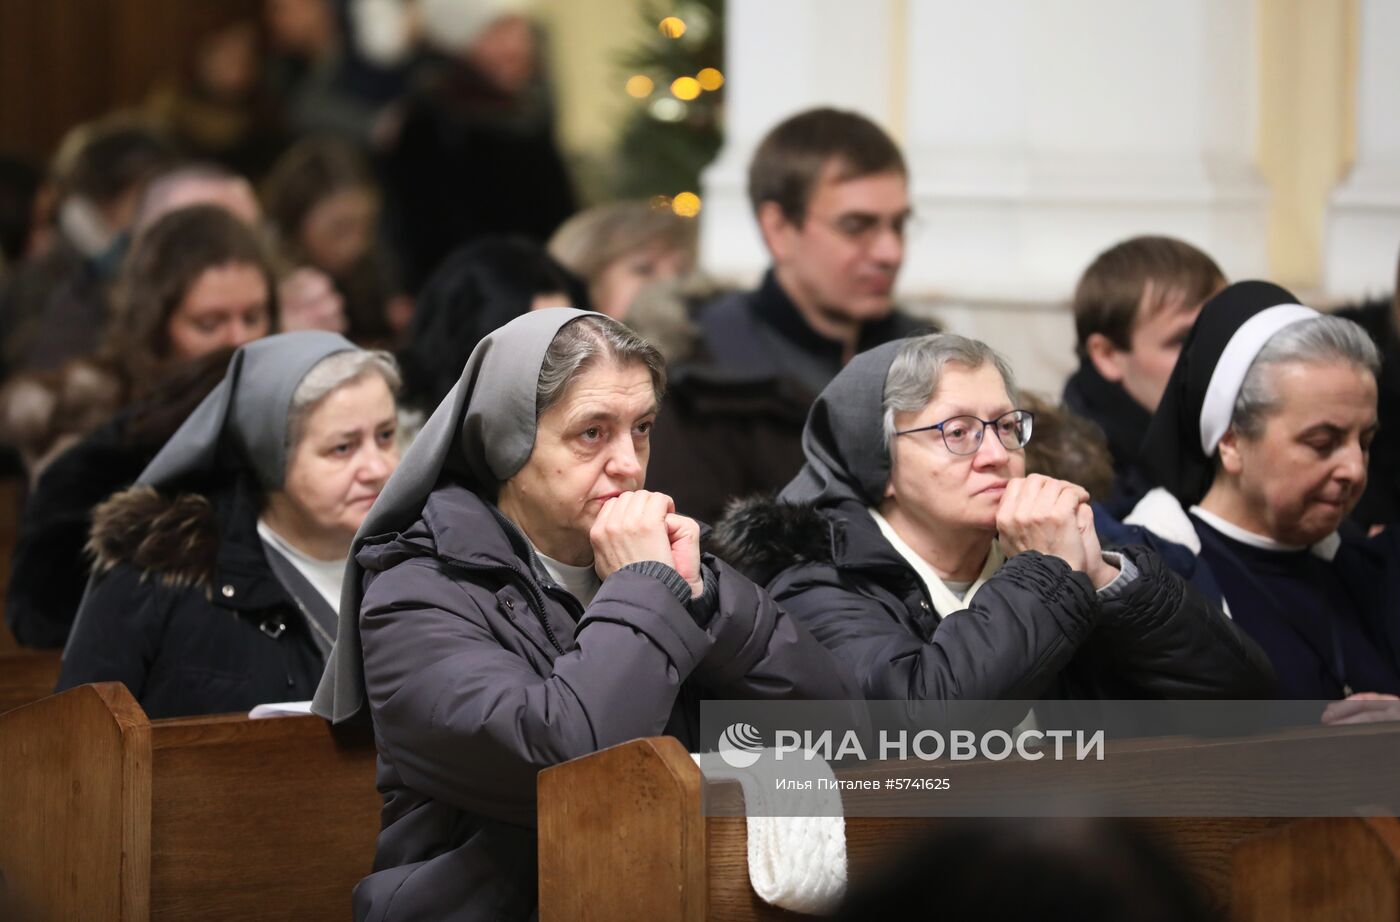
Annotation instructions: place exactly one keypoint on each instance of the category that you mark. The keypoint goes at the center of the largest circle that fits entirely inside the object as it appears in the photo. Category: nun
(1261, 444)
(217, 575)
(914, 545)
(522, 600)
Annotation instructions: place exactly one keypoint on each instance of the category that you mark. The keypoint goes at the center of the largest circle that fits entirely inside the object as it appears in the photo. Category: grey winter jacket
(479, 673)
(1036, 629)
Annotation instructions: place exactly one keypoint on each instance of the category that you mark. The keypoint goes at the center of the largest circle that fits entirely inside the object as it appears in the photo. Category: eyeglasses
(863, 229)
(963, 434)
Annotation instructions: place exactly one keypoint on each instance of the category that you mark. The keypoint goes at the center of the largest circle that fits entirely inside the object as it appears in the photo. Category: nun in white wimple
(1261, 444)
(523, 600)
(217, 576)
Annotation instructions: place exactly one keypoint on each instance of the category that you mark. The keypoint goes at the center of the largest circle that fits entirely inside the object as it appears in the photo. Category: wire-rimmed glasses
(963, 434)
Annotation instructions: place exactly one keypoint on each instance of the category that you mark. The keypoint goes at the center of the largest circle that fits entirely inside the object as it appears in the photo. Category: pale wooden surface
(27, 676)
(106, 815)
(75, 800)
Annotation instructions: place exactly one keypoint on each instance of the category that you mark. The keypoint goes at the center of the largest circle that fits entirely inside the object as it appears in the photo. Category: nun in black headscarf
(1261, 444)
(521, 601)
(217, 576)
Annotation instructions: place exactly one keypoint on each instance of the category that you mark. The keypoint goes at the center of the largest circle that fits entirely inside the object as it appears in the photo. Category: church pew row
(26, 675)
(637, 808)
(107, 814)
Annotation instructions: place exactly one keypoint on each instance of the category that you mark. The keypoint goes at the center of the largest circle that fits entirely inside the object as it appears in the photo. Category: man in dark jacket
(830, 193)
(569, 611)
(1133, 307)
(913, 546)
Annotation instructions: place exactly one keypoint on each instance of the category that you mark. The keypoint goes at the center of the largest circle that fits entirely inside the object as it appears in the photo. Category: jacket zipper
(536, 598)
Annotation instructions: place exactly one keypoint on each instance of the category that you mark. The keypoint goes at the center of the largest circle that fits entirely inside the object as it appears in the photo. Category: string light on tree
(666, 109)
(639, 86)
(672, 27)
(710, 79)
(685, 88)
(686, 204)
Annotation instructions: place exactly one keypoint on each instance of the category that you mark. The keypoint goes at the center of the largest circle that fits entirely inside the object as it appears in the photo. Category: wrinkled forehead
(967, 390)
(607, 383)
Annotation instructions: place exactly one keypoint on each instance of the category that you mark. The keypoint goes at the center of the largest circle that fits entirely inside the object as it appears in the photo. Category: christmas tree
(675, 80)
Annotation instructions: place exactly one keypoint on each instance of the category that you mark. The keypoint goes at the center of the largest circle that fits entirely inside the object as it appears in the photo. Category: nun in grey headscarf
(217, 576)
(522, 600)
(913, 544)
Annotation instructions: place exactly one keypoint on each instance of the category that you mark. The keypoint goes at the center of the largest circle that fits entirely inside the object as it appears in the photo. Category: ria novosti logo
(740, 745)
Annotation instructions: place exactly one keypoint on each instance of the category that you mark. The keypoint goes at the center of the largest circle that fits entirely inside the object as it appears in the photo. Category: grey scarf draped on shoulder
(485, 428)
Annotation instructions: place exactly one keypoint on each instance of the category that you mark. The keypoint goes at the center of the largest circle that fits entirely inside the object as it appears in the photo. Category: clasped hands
(642, 525)
(1053, 517)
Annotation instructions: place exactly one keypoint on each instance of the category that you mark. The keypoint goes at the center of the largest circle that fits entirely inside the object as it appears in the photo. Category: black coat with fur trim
(1035, 630)
(185, 609)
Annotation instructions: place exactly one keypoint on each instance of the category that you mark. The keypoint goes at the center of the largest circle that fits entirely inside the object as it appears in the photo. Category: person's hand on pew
(1362, 708)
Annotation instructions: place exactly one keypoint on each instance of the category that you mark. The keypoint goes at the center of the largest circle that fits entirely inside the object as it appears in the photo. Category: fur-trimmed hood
(760, 536)
(175, 537)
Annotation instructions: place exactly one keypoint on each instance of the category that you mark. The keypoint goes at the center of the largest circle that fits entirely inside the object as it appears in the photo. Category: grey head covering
(242, 423)
(248, 410)
(844, 438)
(484, 428)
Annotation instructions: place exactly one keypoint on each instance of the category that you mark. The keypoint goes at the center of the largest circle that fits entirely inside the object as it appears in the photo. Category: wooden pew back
(638, 808)
(110, 815)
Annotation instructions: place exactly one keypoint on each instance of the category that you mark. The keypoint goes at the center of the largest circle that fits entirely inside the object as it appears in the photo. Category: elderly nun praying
(1261, 442)
(523, 600)
(217, 576)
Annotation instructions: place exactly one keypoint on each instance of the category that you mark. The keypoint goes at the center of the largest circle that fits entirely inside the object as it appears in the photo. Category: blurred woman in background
(620, 248)
(324, 205)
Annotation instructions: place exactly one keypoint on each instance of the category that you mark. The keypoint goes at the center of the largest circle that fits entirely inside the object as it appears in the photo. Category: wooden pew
(27, 675)
(633, 814)
(109, 815)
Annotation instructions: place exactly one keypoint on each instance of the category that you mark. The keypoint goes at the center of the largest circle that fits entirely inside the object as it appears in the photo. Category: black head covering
(844, 439)
(1173, 448)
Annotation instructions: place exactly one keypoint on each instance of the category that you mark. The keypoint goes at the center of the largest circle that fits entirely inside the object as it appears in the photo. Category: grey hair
(915, 373)
(329, 375)
(580, 343)
(1326, 340)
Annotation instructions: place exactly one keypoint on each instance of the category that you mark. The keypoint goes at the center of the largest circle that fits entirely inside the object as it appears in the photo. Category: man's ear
(1229, 452)
(1108, 359)
(776, 229)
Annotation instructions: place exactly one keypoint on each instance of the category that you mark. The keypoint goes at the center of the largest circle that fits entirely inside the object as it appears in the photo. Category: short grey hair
(580, 343)
(1318, 340)
(331, 374)
(915, 373)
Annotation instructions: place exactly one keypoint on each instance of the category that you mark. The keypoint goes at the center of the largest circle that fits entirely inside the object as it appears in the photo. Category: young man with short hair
(830, 193)
(1133, 307)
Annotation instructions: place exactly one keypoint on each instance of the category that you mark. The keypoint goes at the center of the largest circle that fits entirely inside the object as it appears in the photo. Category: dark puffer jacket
(186, 610)
(480, 672)
(1036, 629)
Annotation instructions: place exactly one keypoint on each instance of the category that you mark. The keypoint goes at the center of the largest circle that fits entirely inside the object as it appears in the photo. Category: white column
(1363, 216)
(781, 57)
(1041, 133)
